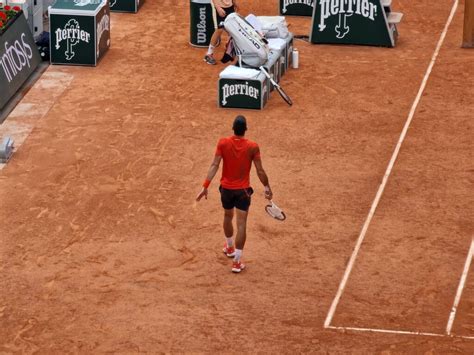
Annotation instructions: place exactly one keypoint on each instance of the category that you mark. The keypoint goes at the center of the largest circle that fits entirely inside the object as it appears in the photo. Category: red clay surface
(104, 250)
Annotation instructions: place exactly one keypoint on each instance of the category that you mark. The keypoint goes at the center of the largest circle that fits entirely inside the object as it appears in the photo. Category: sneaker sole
(209, 63)
(238, 270)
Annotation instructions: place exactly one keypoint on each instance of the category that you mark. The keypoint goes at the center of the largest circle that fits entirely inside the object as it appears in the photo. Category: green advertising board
(351, 22)
(79, 31)
(297, 7)
(201, 22)
(19, 57)
(243, 93)
(126, 5)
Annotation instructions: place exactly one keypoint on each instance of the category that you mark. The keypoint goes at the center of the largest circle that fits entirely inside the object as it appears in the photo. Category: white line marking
(381, 189)
(452, 316)
(403, 332)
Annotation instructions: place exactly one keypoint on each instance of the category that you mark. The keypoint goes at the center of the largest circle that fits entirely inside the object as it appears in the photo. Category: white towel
(234, 72)
(276, 43)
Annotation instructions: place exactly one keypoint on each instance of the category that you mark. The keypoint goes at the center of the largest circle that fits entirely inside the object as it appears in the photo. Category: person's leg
(241, 229)
(209, 57)
(228, 205)
(242, 205)
(216, 37)
(229, 249)
(237, 265)
(228, 227)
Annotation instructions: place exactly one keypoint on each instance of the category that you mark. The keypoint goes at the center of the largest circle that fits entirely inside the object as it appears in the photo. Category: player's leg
(228, 227)
(242, 205)
(229, 249)
(240, 238)
(216, 37)
(215, 40)
(241, 235)
(228, 205)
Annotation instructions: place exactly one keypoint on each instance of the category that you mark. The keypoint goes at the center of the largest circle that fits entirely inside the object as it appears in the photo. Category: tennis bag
(252, 47)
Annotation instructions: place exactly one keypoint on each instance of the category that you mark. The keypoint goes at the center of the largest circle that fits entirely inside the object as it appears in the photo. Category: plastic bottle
(296, 58)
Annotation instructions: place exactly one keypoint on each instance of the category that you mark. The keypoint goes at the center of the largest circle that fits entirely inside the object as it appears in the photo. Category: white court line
(452, 316)
(400, 332)
(381, 189)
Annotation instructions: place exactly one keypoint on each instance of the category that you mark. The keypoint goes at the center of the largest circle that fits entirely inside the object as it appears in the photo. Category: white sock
(238, 254)
(230, 242)
(210, 50)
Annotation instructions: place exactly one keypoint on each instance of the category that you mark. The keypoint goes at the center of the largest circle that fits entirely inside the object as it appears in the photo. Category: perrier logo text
(238, 89)
(72, 35)
(287, 3)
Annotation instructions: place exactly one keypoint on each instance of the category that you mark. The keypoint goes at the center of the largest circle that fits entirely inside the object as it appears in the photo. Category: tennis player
(238, 153)
(220, 10)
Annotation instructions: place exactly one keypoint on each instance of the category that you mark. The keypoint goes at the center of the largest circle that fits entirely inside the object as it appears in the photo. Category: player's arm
(236, 6)
(219, 9)
(210, 175)
(262, 175)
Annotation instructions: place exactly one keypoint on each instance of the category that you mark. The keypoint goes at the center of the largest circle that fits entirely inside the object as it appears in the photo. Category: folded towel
(276, 43)
(233, 72)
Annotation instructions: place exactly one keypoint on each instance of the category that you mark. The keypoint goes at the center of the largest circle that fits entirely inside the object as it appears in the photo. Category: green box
(243, 93)
(201, 22)
(79, 31)
(361, 22)
(297, 7)
(126, 5)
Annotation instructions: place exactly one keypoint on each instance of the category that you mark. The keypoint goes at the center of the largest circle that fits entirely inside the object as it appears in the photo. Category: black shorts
(239, 199)
(220, 20)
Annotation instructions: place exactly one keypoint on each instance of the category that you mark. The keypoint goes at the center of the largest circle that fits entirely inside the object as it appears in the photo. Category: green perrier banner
(125, 5)
(80, 31)
(351, 22)
(297, 7)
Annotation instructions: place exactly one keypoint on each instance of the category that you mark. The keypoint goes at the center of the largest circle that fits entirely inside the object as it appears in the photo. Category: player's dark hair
(240, 125)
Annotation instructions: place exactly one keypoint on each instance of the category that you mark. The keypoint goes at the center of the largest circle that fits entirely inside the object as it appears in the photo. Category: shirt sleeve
(219, 148)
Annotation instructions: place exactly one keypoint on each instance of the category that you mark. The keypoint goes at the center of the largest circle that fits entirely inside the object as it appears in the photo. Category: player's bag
(252, 47)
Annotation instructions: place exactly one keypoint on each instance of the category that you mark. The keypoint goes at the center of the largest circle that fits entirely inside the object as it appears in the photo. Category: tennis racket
(282, 93)
(275, 212)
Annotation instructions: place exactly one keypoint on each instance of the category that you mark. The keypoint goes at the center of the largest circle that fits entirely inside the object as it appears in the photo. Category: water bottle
(295, 58)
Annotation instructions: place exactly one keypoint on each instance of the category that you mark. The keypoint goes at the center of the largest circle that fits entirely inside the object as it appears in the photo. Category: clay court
(103, 248)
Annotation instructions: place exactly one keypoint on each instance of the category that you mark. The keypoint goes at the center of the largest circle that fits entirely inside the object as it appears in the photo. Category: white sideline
(462, 282)
(402, 332)
(381, 189)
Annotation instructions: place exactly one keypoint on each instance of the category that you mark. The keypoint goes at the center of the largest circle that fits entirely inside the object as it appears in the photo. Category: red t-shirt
(237, 154)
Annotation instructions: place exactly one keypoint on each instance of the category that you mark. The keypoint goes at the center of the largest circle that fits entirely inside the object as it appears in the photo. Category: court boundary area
(375, 203)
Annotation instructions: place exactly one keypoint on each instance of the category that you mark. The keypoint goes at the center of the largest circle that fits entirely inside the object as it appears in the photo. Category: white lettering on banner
(345, 9)
(238, 89)
(102, 26)
(17, 56)
(287, 3)
(201, 26)
(87, 2)
(72, 34)
(112, 3)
